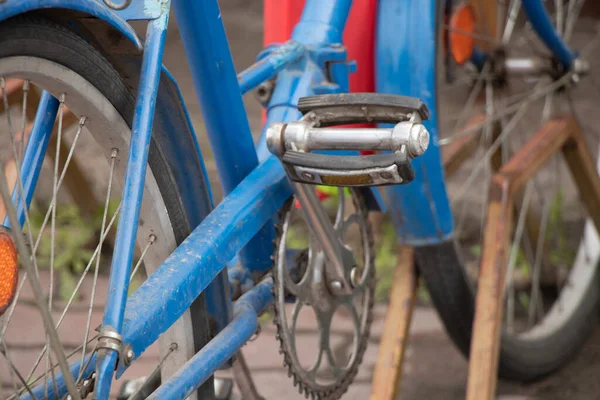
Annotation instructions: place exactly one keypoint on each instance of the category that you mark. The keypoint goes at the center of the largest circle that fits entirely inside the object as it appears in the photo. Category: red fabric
(280, 17)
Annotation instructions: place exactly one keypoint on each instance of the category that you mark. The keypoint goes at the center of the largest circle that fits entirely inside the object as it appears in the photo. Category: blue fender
(406, 46)
(95, 8)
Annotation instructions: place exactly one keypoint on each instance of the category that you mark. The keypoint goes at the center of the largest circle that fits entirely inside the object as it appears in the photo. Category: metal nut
(385, 175)
(128, 355)
(418, 140)
(264, 91)
(308, 176)
(336, 287)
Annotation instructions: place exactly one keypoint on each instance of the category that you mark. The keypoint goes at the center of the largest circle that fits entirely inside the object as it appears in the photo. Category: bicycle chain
(306, 387)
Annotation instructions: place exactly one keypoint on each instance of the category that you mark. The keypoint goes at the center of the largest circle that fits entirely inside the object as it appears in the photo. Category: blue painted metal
(133, 189)
(221, 102)
(11, 8)
(322, 22)
(140, 9)
(35, 152)
(218, 91)
(269, 66)
(542, 25)
(173, 119)
(197, 260)
(218, 300)
(167, 293)
(239, 276)
(478, 58)
(39, 390)
(224, 346)
(406, 65)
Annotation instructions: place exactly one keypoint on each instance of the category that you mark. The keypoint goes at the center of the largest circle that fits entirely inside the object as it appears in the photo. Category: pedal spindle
(294, 142)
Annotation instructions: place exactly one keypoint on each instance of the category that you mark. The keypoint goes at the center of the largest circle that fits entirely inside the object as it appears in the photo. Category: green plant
(386, 259)
(71, 251)
(560, 255)
(75, 239)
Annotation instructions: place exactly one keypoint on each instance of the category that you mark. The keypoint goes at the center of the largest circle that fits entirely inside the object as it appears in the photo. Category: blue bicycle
(147, 247)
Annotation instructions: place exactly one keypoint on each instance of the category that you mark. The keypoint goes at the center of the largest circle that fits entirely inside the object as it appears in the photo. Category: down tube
(406, 65)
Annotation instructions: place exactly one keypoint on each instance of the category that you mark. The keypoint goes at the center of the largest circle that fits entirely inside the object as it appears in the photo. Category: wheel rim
(502, 115)
(104, 126)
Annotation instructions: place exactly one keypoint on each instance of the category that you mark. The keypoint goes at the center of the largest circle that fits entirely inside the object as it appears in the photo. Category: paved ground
(433, 370)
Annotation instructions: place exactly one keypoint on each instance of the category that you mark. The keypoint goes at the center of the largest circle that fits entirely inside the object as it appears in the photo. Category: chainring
(306, 383)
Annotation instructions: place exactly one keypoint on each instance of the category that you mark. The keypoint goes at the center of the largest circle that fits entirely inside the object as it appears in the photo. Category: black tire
(520, 359)
(36, 36)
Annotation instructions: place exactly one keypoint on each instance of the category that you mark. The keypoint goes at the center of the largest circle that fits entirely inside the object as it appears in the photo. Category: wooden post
(394, 340)
(556, 135)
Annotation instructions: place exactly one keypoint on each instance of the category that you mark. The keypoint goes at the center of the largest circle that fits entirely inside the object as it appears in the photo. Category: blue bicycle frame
(312, 62)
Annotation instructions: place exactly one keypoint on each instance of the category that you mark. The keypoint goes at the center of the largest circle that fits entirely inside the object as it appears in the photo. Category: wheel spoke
(537, 267)
(151, 240)
(76, 290)
(500, 15)
(514, 251)
(54, 365)
(23, 121)
(513, 14)
(560, 16)
(113, 158)
(61, 111)
(26, 261)
(474, 35)
(506, 131)
(464, 114)
(15, 371)
(574, 9)
(82, 121)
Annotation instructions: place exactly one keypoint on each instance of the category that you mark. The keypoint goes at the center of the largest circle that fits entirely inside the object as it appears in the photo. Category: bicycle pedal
(294, 142)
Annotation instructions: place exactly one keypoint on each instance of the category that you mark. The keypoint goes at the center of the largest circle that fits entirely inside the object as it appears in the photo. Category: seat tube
(322, 22)
(133, 189)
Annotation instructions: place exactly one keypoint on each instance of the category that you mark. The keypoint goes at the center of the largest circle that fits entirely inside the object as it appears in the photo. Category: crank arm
(320, 225)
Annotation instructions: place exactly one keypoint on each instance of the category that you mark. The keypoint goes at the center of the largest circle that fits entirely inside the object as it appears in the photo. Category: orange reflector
(462, 28)
(9, 270)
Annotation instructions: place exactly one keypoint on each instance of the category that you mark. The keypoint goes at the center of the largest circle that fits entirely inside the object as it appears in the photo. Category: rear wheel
(72, 219)
(487, 112)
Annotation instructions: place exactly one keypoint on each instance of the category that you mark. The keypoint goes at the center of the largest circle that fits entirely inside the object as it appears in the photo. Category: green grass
(386, 259)
(74, 242)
